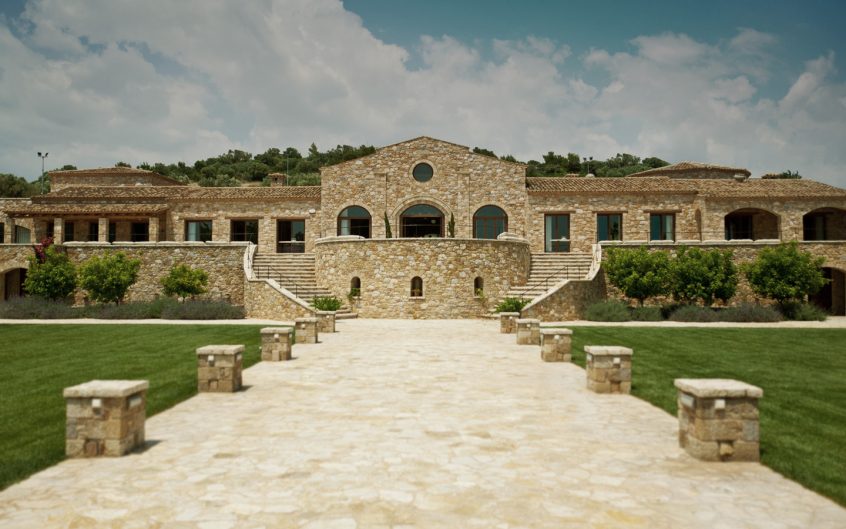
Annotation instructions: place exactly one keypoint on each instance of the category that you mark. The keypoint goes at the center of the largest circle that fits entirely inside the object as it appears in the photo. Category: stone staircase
(549, 269)
(296, 273)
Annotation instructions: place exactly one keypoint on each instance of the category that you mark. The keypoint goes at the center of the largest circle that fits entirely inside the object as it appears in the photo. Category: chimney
(278, 179)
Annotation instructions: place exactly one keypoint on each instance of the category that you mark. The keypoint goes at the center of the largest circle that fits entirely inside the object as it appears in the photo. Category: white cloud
(167, 81)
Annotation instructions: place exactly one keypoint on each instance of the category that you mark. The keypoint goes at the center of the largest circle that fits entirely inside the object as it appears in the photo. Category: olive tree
(639, 273)
(784, 273)
(106, 278)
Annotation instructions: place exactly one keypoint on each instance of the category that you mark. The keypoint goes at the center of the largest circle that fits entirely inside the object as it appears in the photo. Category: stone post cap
(553, 332)
(220, 350)
(106, 389)
(510, 314)
(305, 320)
(718, 388)
(608, 350)
(275, 330)
(324, 312)
(528, 320)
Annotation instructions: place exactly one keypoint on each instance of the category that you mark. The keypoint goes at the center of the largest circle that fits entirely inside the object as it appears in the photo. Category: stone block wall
(447, 267)
(264, 299)
(570, 301)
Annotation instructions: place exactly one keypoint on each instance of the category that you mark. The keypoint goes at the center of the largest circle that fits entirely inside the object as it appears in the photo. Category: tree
(785, 273)
(705, 276)
(51, 275)
(184, 281)
(484, 152)
(388, 234)
(12, 186)
(451, 226)
(122, 164)
(639, 274)
(106, 278)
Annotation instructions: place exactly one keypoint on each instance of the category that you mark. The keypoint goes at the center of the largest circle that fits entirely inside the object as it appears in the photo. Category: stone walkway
(413, 424)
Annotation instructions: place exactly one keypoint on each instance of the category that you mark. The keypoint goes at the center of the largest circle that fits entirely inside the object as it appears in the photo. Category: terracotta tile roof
(685, 167)
(67, 210)
(584, 185)
(180, 193)
(117, 171)
(767, 188)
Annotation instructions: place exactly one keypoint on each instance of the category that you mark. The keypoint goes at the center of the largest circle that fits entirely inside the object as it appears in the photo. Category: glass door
(290, 236)
(557, 233)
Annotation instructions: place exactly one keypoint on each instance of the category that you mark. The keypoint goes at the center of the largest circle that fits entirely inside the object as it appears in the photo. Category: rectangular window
(22, 235)
(662, 227)
(557, 233)
(609, 227)
(198, 230)
(93, 231)
(244, 230)
(112, 231)
(2, 232)
(69, 231)
(739, 226)
(813, 227)
(290, 236)
(139, 232)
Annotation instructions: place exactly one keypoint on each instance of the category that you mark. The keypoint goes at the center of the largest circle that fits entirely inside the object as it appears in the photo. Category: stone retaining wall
(569, 301)
(448, 268)
(265, 299)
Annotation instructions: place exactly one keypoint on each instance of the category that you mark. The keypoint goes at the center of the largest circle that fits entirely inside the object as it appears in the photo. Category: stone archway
(752, 224)
(832, 297)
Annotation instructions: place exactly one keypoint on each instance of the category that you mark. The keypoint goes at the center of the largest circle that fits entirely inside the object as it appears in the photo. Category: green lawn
(802, 372)
(38, 361)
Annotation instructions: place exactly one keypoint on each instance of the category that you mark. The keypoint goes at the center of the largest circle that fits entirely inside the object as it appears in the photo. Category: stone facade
(265, 299)
(105, 417)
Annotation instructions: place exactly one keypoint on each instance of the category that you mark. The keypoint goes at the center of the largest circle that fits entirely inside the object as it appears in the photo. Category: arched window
(355, 287)
(355, 220)
(422, 220)
(478, 286)
(416, 287)
(489, 222)
(751, 223)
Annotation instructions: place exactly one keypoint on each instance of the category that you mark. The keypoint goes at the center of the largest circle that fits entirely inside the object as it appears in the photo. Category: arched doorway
(751, 223)
(11, 283)
(422, 220)
(832, 297)
(488, 222)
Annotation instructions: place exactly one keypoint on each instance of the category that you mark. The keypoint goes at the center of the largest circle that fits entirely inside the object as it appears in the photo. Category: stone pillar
(609, 368)
(105, 417)
(325, 321)
(275, 344)
(103, 229)
(718, 419)
(58, 230)
(219, 368)
(153, 229)
(528, 331)
(556, 345)
(306, 330)
(508, 322)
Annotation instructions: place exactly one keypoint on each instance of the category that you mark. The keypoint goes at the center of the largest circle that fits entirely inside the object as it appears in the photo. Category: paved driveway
(413, 424)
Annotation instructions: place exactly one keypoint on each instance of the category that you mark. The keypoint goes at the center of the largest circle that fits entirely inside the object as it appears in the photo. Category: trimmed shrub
(646, 314)
(608, 311)
(51, 275)
(694, 313)
(705, 276)
(802, 311)
(326, 303)
(107, 278)
(137, 310)
(785, 273)
(202, 310)
(750, 312)
(184, 281)
(511, 305)
(639, 273)
(36, 308)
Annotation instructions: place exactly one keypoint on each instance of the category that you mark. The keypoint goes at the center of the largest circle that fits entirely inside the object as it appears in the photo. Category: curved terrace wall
(448, 268)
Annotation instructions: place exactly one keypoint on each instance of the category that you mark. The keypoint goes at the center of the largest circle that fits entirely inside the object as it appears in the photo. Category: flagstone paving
(413, 424)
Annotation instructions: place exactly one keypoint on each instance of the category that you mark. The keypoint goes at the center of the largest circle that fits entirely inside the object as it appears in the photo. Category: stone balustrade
(105, 417)
(325, 321)
(219, 368)
(608, 368)
(556, 345)
(275, 344)
(305, 330)
(718, 419)
(528, 331)
(508, 322)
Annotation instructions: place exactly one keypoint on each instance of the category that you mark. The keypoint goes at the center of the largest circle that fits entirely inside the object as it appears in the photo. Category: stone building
(420, 229)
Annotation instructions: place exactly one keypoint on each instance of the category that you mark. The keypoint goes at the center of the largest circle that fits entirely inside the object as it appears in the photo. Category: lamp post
(587, 161)
(42, 156)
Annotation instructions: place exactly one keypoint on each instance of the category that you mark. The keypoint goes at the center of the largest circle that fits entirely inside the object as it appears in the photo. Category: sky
(753, 84)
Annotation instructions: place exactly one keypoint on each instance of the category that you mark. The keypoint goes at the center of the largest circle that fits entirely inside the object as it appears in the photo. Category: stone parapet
(528, 331)
(275, 344)
(219, 368)
(608, 368)
(306, 330)
(325, 321)
(105, 417)
(508, 322)
(718, 419)
(556, 345)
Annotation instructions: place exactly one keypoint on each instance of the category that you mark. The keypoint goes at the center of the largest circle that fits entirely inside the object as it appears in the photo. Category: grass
(802, 372)
(38, 361)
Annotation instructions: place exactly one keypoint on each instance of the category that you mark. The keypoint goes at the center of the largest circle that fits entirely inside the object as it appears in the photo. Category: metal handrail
(581, 269)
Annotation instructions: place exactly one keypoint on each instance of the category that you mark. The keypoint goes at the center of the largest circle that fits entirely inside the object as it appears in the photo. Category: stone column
(556, 345)
(275, 344)
(528, 331)
(103, 229)
(718, 419)
(153, 229)
(326, 321)
(609, 369)
(219, 368)
(508, 322)
(105, 417)
(58, 229)
(306, 330)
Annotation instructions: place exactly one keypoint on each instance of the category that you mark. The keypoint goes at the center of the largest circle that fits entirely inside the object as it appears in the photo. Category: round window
(422, 172)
